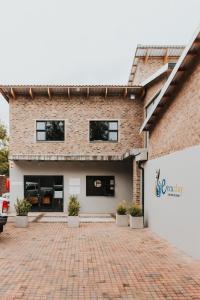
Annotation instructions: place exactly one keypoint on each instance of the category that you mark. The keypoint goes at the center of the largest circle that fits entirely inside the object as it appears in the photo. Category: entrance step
(32, 217)
(61, 217)
(84, 218)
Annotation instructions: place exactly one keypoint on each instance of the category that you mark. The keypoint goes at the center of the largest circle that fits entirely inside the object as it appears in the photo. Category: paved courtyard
(96, 261)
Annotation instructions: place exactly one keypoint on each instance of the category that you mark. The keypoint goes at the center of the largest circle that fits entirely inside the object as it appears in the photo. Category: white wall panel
(175, 215)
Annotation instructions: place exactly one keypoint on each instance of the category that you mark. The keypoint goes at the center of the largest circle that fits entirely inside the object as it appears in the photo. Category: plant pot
(21, 221)
(73, 221)
(136, 222)
(122, 220)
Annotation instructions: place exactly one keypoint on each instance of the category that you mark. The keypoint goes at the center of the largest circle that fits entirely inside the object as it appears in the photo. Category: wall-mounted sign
(163, 188)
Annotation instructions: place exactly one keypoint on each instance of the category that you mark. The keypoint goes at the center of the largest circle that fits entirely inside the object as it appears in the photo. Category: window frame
(38, 130)
(105, 141)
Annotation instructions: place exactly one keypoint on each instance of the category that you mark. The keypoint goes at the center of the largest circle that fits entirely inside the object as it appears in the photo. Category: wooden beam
(182, 69)
(173, 83)
(197, 40)
(106, 92)
(160, 105)
(166, 57)
(88, 92)
(31, 93)
(146, 56)
(13, 93)
(4, 94)
(192, 52)
(68, 92)
(49, 93)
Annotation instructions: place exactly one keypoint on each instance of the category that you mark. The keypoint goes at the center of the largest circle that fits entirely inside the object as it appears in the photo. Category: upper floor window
(171, 65)
(50, 130)
(104, 131)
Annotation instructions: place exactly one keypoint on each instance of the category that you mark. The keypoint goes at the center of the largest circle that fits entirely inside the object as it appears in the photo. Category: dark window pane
(98, 131)
(103, 130)
(44, 192)
(55, 131)
(100, 186)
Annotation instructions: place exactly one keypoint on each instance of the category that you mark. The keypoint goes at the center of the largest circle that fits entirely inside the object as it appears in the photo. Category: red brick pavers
(97, 261)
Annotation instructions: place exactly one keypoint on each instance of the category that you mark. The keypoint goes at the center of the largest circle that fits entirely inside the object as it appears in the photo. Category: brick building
(74, 140)
(172, 126)
(112, 143)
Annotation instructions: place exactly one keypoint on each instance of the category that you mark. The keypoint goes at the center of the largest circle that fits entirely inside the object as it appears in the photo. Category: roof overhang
(189, 56)
(68, 91)
(154, 51)
(159, 50)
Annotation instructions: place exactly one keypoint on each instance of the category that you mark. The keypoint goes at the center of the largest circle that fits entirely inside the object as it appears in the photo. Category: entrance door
(45, 193)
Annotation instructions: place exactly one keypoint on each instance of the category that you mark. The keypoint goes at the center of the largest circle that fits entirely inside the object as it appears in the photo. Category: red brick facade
(76, 113)
(179, 126)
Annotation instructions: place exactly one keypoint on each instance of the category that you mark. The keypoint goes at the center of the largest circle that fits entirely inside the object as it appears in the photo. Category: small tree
(22, 207)
(4, 165)
(73, 206)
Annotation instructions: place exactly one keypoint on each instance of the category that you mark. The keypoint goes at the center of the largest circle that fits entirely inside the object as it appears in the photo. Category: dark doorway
(44, 192)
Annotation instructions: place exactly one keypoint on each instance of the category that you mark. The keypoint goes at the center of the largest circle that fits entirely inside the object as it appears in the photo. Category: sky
(85, 41)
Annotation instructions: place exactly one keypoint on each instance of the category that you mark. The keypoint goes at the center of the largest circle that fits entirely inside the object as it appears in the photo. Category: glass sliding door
(45, 193)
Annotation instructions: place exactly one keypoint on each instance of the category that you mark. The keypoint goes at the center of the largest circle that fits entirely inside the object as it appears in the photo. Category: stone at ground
(94, 261)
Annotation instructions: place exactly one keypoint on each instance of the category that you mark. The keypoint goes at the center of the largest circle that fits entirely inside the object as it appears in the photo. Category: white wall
(121, 170)
(176, 218)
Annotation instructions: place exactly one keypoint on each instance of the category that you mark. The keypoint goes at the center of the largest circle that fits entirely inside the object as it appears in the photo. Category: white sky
(85, 41)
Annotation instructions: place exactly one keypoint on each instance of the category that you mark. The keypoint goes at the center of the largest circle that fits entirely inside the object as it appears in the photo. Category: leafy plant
(22, 207)
(135, 210)
(122, 208)
(4, 165)
(73, 206)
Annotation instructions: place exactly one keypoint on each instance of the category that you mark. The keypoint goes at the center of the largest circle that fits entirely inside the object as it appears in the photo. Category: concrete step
(60, 217)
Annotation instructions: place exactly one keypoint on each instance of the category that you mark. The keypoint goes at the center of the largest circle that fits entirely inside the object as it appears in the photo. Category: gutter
(141, 157)
(141, 168)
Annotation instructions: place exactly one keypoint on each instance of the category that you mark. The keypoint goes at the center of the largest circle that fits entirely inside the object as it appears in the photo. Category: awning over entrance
(65, 157)
(131, 153)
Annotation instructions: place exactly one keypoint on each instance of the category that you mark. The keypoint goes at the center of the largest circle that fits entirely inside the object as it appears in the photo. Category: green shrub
(122, 208)
(22, 207)
(135, 210)
(73, 206)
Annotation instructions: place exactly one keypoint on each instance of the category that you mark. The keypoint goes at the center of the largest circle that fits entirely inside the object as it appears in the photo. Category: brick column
(136, 183)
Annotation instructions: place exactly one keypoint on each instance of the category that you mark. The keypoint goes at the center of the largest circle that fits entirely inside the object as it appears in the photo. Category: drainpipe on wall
(141, 168)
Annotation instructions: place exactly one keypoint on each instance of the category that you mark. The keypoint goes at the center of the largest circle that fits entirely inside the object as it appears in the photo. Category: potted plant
(22, 207)
(73, 212)
(121, 215)
(136, 216)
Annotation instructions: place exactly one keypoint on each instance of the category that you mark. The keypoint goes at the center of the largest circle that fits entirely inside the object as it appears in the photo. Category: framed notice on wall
(74, 186)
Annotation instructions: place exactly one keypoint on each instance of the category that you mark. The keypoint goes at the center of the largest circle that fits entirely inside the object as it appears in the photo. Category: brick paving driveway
(96, 261)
